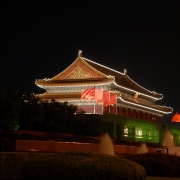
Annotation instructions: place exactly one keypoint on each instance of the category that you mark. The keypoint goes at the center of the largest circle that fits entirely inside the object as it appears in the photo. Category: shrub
(82, 165)
(161, 165)
(11, 163)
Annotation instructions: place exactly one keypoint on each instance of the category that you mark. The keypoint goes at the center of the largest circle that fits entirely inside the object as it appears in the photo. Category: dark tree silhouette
(10, 105)
(61, 116)
(32, 114)
(26, 112)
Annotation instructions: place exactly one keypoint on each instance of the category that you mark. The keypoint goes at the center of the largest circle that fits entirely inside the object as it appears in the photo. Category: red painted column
(120, 110)
(114, 109)
(155, 118)
(135, 114)
(143, 116)
(126, 111)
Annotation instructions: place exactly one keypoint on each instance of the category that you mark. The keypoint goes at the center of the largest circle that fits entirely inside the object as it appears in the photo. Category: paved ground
(161, 178)
(148, 178)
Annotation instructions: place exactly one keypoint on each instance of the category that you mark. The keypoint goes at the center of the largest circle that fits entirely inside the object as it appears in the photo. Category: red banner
(176, 118)
(113, 99)
(106, 98)
(88, 94)
(98, 95)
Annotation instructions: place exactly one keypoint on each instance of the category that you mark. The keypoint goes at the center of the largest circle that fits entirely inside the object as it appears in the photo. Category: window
(125, 131)
(139, 133)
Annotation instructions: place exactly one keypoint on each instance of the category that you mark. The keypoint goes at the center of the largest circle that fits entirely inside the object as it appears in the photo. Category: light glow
(125, 131)
(145, 106)
(136, 91)
(138, 133)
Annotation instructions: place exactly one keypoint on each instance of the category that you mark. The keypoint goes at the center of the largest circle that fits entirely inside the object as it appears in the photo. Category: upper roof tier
(122, 79)
(84, 71)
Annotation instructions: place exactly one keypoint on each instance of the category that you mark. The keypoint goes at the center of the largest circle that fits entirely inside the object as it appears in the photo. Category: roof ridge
(103, 66)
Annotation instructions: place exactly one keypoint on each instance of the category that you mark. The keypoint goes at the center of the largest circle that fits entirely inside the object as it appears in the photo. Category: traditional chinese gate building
(133, 100)
(135, 116)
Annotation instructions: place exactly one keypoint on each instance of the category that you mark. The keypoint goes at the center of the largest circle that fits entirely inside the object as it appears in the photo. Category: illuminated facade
(133, 100)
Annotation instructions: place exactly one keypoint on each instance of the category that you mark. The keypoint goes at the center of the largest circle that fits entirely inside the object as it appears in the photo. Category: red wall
(53, 146)
(97, 109)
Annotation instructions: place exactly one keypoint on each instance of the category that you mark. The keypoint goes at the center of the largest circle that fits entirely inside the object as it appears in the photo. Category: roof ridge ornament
(125, 72)
(109, 76)
(80, 53)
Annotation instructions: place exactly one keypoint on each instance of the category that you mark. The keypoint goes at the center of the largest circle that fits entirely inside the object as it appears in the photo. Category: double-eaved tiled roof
(85, 72)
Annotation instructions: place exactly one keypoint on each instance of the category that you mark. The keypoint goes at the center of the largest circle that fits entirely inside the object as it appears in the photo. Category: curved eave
(61, 99)
(151, 93)
(141, 94)
(125, 77)
(157, 109)
(62, 96)
(77, 82)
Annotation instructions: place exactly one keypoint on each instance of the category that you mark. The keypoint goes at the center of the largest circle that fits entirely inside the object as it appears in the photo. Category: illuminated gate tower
(133, 100)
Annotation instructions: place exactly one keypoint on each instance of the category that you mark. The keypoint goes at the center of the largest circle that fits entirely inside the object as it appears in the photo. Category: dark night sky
(41, 38)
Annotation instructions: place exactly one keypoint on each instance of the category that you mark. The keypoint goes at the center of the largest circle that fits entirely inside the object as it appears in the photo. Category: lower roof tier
(75, 98)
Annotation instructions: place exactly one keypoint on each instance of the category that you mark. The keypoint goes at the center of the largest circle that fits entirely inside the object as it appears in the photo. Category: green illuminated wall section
(127, 128)
(175, 131)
